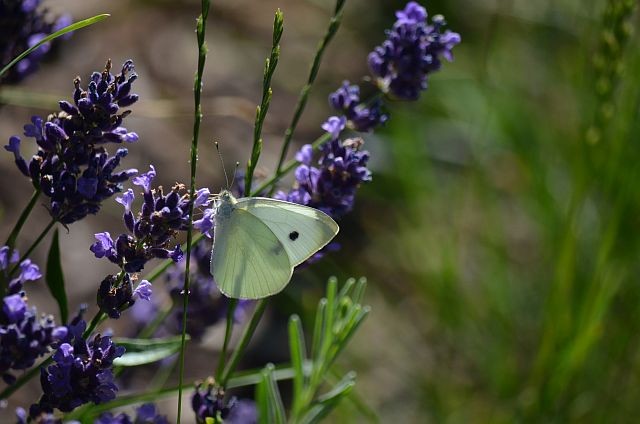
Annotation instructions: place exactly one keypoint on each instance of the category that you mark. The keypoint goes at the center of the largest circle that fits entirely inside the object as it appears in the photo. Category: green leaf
(298, 353)
(55, 277)
(134, 359)
(141, 345)
(141, 351)
(327, 402)
(63, 31)
(274, 405)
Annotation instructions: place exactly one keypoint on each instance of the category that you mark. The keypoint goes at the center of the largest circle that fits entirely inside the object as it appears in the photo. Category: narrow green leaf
(327, 402)
(318, 328)
(146, 351)
(298, 353)
(134, 359)
(274, 401)
(63, 31)
(55, 277)
(262, 400)
(142, 345)
(345, 384)
(345, 291)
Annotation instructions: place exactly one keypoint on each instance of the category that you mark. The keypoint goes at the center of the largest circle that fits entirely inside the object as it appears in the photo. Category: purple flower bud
(14, 307)
(29, 271)
(334, 126)
(143, 291)
(305, 154)
(126, 200)
(202, 198)
(103, 246)
(144, 180)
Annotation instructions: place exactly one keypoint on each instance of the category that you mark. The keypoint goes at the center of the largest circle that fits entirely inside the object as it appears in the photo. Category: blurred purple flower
(411, 52)
(22, 24)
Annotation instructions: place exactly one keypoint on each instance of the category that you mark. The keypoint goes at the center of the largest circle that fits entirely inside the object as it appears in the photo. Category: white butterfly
(258, 241)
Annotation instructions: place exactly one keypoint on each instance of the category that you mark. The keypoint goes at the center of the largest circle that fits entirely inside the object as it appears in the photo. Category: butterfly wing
(248, 261)
(301, 230)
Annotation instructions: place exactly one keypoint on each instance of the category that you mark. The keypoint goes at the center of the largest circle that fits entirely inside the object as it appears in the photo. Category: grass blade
(55, 277)
(63, 31)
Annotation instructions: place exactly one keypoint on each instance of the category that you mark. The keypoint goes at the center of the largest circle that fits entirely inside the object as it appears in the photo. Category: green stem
(24, 378)
(202, 56)
(261, 111)
(33, 246)
(231, 309)
(334, 24)
(244, 341)
(97, 319)
(288, 167)
(13, 236)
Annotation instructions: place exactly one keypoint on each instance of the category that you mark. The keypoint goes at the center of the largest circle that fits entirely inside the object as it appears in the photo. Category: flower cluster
(81, 373)
(331, 182)
(116, 293)
(209, 403)
(152, 231)
(412, 50)
(72, 166)
(23, 23)
(360, 116)
(145, 414)
(23, 335)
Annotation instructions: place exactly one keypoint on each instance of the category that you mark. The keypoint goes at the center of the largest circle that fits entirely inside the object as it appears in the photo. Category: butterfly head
(225, 203)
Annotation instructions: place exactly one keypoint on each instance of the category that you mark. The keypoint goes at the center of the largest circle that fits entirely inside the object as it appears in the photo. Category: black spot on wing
(293, 235)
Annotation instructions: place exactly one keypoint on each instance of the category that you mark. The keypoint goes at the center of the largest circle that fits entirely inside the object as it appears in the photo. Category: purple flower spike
(412, 50)
(145, 180)
(143, 291)
(23, 24)
(14, 307)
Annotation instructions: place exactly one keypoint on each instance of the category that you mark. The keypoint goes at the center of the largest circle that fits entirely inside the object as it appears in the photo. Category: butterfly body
(258, 241)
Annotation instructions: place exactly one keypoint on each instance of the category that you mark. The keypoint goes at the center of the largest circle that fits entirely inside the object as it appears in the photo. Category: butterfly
(258, 241)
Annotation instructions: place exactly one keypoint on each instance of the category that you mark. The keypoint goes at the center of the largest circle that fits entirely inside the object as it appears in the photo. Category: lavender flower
(412, 50)
(116, 294)
(161, 217)
(81, 372)
(209, 403)
(23, 24)
(330, 184)
(23, 336)
(72, 166)
(361, 117)
(145, 414)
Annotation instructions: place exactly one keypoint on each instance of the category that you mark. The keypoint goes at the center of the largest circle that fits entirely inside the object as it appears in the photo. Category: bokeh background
(500, 232)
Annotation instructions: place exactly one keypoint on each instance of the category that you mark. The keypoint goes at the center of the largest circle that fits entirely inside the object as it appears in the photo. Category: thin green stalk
(24, 378)
(288, 167)
(334, 24)
(261, 113)
(228, 332)
(262, 109)
(244, 341)
(202, 56)
(97, 319)
(33, 246)
(13, 236)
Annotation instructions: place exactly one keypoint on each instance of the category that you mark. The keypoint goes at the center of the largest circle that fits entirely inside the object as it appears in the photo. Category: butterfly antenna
(226, 177)
(235, 172)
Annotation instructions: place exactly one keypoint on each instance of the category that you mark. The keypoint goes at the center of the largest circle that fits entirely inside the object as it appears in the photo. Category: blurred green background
(500, 232)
